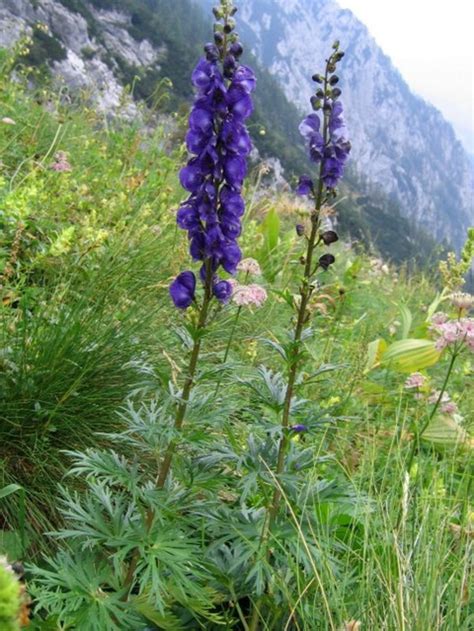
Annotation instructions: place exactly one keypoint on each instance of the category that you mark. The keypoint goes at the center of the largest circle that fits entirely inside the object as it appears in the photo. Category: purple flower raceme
(218, 143)
(324, 137)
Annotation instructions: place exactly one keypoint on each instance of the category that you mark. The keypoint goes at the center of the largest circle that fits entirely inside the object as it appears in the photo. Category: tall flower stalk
(323, 131)
(218, 143)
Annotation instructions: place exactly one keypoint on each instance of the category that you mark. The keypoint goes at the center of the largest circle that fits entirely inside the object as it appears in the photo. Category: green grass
(86, 325)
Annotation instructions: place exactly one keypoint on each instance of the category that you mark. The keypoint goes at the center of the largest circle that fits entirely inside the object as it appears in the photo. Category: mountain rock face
(401, 144)
(83, 62)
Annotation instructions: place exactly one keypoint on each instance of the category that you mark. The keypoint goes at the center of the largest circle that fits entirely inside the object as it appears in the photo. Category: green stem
(228, 345)
(306, 291)
(188, 384)
(179, 419)
(420, 432)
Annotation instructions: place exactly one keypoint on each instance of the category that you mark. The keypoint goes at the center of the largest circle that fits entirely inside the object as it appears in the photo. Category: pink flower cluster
(250, 266)
(451, 332)
(415, 380)
(446, 405)
(61, 162)
(248, 295)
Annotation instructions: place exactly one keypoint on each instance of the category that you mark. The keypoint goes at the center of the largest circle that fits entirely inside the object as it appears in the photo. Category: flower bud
(327, 108)
(328, 237)
(326, 260)
(212, 52)
(233, 11)
(317, 78)
(217, 12)
(320, 93)
(334, 79)
(299, 229)
(229, 66)
(336, 93)
(218, 38)
(336, 44)
(236, 49)
(316, 103)
(338, 56)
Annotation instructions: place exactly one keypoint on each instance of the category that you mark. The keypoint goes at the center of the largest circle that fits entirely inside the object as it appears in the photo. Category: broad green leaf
(271, 229)
(445, 431)
(407, 320)
(375, 351)
(410, 355)
(434, 305)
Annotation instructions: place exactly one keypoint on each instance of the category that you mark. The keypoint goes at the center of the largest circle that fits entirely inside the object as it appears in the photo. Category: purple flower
(299, 428)
(222, 290)
(219, 144)
(305, 185)
(333, 149)
(182, 289)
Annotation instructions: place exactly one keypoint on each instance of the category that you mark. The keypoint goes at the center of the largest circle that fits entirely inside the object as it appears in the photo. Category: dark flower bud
(326, 260)
(327, 108)
(299, 229)
(212, 52)
(336, 93)
(227, 28)
(320, 93)
(233, 10)
(217, 12)
(334, 79)
(336, 44)
(338, 56)
(236, 49)
(218, 38)
(229, 66)
(316, 103)
(318, 78)
(329, 237)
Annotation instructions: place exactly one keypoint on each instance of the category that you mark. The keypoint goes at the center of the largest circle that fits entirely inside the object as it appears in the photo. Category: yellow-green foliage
(10, 596)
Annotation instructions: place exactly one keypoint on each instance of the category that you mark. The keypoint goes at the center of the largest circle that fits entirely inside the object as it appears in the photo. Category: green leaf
(445, 431)
(8, 490)
(270, 229)
(407, 320)
(375, 350)
(410, 355)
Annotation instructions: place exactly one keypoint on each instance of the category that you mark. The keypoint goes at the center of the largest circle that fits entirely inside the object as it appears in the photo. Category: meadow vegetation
(375, 522)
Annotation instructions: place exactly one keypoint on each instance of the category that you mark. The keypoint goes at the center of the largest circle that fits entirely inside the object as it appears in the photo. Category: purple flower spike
(218, 143)
(182, 290)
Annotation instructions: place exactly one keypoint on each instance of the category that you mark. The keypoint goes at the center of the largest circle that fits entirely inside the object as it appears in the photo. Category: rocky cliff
(401, 144)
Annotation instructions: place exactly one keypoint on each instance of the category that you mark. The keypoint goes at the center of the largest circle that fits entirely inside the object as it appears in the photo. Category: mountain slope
(100, 46)
(401, 144)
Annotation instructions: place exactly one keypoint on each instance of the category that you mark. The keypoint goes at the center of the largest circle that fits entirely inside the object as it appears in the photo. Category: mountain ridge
(401, 143)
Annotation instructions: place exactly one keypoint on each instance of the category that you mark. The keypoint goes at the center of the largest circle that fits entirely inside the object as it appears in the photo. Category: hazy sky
(431, 42)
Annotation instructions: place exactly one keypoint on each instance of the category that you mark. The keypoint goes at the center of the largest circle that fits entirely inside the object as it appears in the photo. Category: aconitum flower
(324, 135)
(218, 143)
